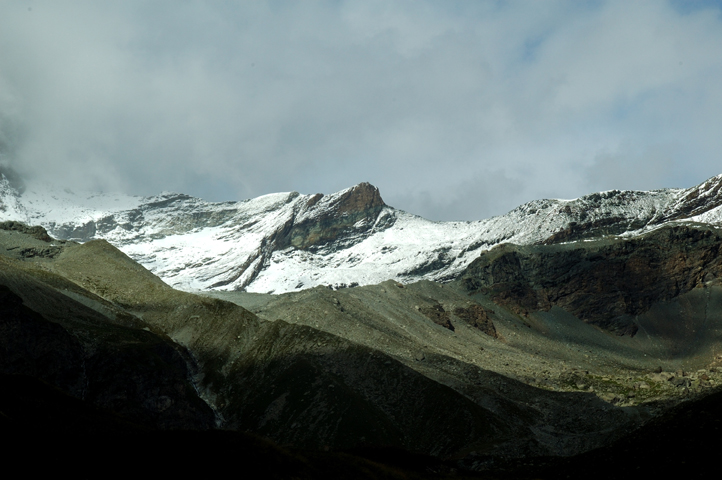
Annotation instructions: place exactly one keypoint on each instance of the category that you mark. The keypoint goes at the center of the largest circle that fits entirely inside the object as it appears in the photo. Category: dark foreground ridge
(51, 432)
(43, 423)
(684, 439)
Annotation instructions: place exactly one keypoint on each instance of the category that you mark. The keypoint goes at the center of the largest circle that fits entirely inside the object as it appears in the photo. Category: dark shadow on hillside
(50, 432)
(294, 385)
(132, 372)
(307, 388)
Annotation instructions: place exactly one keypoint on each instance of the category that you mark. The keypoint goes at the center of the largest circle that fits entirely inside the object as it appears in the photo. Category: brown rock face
(350, 215)
(604, 283)
(438, 315)
(360, 198)
(478, 317)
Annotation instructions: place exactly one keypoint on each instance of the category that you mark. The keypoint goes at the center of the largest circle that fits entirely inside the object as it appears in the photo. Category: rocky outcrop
(478, 317)
(438, 315)
(605, 283)
(348, 214)
(37, 232)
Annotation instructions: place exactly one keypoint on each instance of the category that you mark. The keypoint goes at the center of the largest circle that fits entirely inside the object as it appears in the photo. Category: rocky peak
(359, 198)
(698, 200)
(37, 232)
(330, 218)
(316, 222)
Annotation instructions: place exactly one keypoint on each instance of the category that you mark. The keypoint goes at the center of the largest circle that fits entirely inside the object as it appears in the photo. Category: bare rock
(478, 317)
(438, 315)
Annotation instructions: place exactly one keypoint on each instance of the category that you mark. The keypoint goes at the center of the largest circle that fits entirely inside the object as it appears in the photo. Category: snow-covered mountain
(288, 241)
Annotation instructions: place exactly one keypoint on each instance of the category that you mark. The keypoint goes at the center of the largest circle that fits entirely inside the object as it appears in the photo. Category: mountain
(603, 318)
(287, 242)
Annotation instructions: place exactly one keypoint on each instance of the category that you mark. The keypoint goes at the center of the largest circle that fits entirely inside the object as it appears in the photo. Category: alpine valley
(334, 336)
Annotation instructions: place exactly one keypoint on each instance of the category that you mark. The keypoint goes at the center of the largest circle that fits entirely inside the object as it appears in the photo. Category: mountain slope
(608, 283)
(125, 341)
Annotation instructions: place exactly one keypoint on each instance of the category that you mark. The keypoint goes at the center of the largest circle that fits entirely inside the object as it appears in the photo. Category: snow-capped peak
(288, 241)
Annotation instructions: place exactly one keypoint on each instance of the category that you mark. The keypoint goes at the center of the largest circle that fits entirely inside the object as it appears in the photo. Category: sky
(456, 110)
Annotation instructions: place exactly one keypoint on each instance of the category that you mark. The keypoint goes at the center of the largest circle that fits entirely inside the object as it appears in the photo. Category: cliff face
(350, 214)
(697, 201)
(605, 283)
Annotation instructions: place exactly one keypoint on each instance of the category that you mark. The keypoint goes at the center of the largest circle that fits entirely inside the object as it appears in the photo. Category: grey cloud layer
(456, 110)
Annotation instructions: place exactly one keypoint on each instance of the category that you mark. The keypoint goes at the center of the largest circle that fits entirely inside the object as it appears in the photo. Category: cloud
(472, 198)
(629, 169)
(456, 110)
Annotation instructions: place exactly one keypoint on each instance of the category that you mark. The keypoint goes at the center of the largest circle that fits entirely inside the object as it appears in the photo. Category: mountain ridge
(290, 241)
